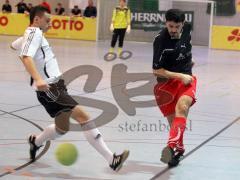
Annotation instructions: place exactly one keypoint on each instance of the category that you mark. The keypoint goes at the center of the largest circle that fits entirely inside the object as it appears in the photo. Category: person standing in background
(76, 11)
(29, 7)
(60, 10)
(121, 20)
(6, 8)
(91, 10)
(21, 7)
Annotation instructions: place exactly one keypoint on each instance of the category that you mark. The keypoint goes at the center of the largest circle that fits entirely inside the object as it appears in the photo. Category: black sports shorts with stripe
(56, 99)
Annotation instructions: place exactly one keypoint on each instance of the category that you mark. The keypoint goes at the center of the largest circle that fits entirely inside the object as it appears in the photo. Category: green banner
(154, 21)
(143, 5)
(146, 15)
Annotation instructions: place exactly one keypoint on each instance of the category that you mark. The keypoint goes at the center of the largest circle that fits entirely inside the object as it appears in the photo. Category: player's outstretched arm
(17, 44)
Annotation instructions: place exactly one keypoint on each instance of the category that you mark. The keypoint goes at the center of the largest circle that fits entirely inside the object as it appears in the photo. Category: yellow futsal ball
(66, 154)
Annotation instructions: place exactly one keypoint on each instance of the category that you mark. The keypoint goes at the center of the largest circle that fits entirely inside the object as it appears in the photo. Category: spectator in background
(76, 11)
(6, 8)
(121, 23)
(60, 10)
(46, 5)
(21, 7)
(90, 11)
(29, 7)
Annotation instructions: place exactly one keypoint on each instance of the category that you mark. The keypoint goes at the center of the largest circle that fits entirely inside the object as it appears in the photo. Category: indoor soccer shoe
(167, 154)
(33, 147)
(178, 156)
(118, 160)
(119, 51)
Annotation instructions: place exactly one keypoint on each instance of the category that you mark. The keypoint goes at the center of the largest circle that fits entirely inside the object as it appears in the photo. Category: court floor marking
(45, 149)
(198, 147)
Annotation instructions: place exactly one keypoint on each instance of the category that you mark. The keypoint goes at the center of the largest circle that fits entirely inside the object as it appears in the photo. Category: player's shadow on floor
(29, 173)
(139, 167)
(130, 167)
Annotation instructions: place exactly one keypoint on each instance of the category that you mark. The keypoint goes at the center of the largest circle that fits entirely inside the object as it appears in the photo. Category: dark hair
(37, 11)
(175, 15)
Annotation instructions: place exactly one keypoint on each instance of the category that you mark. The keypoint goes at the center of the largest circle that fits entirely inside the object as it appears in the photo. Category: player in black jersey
(172, 65)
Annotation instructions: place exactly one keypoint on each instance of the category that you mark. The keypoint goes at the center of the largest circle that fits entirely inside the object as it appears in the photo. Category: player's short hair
(175, 15)
(37, 11)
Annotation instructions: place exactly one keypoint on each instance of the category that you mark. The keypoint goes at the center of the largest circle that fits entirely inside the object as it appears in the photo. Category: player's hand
(41, 85)
(111, 27)
(128, 29)
(186, 79)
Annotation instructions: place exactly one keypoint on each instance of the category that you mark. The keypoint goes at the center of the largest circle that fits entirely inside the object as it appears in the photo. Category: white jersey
(35, 45)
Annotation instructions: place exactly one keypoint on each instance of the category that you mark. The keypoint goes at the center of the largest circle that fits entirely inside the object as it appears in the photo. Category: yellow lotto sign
(72, 28)
(64, 27)
(13, 24)
(226, 37)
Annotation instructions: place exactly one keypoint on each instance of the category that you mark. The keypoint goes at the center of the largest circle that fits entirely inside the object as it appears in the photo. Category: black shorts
(57, 99)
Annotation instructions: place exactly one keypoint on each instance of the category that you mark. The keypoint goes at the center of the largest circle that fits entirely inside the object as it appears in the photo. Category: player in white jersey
(41, 64)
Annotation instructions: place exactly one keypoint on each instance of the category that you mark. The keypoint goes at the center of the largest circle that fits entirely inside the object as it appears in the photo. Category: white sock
(49, 133)
(94, 137)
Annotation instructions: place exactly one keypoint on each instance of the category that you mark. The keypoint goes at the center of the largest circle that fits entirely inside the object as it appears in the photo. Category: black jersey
(90, 11)
(7, 8)
(21, 7)
(173, 54)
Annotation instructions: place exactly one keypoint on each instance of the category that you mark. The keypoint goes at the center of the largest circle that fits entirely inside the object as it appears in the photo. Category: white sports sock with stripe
(94, 137)
(49, 133)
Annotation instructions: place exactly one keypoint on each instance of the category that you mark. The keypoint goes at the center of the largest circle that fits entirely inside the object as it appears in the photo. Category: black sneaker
(33, 147)
(178, 156)
(118, 160)
(167, 154)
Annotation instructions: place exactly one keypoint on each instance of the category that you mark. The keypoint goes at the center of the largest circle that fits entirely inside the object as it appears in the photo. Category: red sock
(180, 146)
(176, 132)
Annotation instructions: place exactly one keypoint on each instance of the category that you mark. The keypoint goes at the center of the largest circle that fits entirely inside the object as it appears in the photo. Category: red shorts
(168, 93)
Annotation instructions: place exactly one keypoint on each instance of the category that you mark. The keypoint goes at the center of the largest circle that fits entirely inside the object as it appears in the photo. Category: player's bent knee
(62, 122)
(182, 109)
(61, 131)
(62, 127)
(84, 116)
(80, 115)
